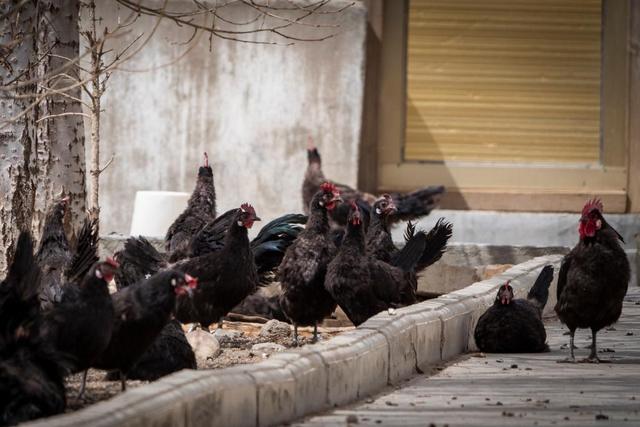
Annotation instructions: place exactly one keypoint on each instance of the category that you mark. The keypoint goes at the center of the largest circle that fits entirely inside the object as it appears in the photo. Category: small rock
(566, 418)
(507, 414)
(601, 417)
(369, 400)
(228, 334)
(274, 329)
(487, 399)
(629, 333)
(527, 369)
(267, 348)
(499, 360)
(389, 403)
(205, 346)
(391, 311)
(611, 328)
(352, 419)
(498, 403)
(514, 366)
(454, 398)
(606, 350)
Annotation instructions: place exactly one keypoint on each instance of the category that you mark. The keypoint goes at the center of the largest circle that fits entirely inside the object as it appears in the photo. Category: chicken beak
(337, 199)
(256, 218)
(391, 208)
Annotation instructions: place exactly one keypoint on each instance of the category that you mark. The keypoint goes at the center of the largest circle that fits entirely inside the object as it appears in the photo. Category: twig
(72, 113)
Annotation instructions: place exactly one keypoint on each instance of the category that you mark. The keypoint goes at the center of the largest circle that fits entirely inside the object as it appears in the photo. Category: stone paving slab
(522, 390)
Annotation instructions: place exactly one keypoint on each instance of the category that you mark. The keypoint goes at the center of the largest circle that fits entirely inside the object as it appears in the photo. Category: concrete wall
(250, 106)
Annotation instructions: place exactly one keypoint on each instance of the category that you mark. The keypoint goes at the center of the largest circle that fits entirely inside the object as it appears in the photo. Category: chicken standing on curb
(304, 299)
(409, 206)
(200, 210)
(515, 325)
(593, 278)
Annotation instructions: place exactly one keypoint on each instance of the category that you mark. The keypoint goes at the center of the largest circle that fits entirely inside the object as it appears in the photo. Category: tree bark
(37, 158)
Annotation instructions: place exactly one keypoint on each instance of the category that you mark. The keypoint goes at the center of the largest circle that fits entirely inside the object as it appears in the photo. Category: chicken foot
(571, 358)
(593, 356)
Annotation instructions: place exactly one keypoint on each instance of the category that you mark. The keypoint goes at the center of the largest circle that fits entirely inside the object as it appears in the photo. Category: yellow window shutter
(504, 81)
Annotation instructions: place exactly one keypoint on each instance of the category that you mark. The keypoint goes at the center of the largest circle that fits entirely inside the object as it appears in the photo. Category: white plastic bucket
(155, 211)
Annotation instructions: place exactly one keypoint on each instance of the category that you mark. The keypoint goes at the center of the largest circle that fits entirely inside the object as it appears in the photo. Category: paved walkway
(525, 389)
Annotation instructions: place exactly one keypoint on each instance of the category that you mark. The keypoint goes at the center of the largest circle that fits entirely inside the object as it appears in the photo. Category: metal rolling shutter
(504, 81)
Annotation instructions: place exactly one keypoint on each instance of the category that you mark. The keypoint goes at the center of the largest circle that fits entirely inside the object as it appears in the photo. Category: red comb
(206, 159)
(329, 187)
(246, 207)
(353, 204)
(112, 262)
(591, 205)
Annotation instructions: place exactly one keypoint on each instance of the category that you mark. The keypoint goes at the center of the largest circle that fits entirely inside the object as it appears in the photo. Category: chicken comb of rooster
(592, 204)
(246, 207)
(330, 187)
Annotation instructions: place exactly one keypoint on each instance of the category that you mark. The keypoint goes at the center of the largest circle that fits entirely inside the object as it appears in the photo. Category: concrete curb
(382, 351)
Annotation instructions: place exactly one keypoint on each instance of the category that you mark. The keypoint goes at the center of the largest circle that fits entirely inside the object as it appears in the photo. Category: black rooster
(227, 275)
(364, 286)
(380, 245)
(80, 325)
(200, 210)
(58, 263)
(141, 312)
(304, 299)
(31, 373)
(593, 278)
(515, 325)
(411, 205)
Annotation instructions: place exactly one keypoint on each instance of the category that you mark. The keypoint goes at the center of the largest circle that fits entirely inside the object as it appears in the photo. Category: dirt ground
(234, 351)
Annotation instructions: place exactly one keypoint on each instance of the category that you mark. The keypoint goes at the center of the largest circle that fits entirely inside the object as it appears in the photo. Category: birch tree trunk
(60, 140)
(37, 158)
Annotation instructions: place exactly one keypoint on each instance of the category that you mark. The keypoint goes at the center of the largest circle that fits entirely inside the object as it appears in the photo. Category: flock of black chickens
(57, 316)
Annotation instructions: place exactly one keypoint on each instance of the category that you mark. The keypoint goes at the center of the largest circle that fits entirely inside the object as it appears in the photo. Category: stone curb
(382, 351)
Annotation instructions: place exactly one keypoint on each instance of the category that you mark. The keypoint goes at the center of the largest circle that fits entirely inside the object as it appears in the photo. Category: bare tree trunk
(37, 157)
(60, 139)
(17, 139)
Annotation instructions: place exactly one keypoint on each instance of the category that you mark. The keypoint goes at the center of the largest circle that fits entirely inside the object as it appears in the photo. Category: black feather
(539, 292)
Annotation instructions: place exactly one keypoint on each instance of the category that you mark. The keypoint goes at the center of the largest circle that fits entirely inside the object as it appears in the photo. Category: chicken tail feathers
(419, 203)
(539, 292)
(86, 251)
(137, 260)
(272, 242)
(409, 256)
(19, 300)
(437, 239)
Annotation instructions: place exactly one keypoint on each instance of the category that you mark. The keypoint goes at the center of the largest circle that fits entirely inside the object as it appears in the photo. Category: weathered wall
(251, 107)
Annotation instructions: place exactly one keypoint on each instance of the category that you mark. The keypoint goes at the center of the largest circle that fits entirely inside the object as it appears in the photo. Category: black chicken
(200, 210)
(593, 278)
(31, 372)
(515, 325)
(380, 245)
(364, 286)
(227, 275)
(304, 299)
(140, 313)
(170, 352)
(58, 263)
(409, 206)
(80, 325)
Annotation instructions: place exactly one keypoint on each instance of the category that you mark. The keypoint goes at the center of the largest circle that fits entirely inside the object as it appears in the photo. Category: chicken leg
(295, 335)
(83, 385)
(571, 358)
(123, 381)
(315, 332)
(593, 356)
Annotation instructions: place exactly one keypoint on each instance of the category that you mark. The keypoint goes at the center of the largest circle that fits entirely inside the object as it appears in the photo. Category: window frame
(504, 186)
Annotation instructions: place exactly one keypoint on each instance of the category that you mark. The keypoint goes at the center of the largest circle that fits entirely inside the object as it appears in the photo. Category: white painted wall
(250, 106)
